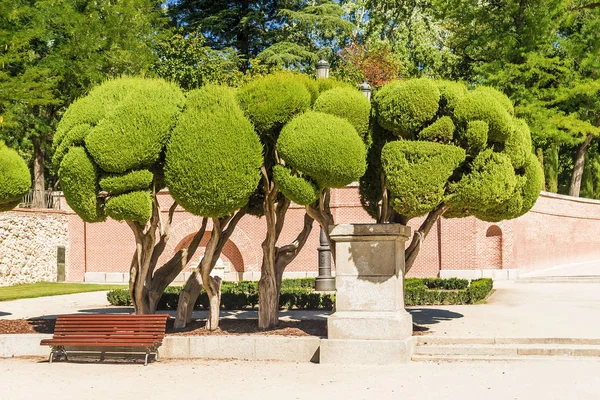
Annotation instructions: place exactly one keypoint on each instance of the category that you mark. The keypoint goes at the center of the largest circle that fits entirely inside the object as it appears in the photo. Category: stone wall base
(495, 274)
(123, 277)
(352, 351)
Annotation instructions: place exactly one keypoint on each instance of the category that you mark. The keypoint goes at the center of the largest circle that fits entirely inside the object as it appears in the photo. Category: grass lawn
(41, 289)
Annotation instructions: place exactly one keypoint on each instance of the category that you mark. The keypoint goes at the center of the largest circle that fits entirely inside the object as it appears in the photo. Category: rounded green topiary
(442, 130)
(15, 180)
(331, 83)
(271, 101)
(133, 206)
(323, 147)
(124, 123)
(491, 182)
(129, 182)
(347, 103)
(451, 93)
(417, 173)
(500, 97)
(476, 136)
(483, 105)
(405, 107)
(79, 180)
(518, 145)
(294, 187)
(213, 159)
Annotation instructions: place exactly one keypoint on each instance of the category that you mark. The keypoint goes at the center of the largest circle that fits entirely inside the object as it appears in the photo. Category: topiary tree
(323, 149)
(109, 153)
(212, 167)
(15, 179)
(437, 149)
(270, 103)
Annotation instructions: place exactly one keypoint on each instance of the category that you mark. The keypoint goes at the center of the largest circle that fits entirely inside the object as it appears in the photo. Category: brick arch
(230, 251)
(238, 246)
(493, 254)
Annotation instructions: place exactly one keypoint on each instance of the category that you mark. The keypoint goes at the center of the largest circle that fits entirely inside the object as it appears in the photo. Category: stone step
(470, 358)
(449, 340)
(559, 279)
(509, 350)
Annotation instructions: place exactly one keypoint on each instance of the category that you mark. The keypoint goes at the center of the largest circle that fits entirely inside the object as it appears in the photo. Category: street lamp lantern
(322, 69)
(366, 89)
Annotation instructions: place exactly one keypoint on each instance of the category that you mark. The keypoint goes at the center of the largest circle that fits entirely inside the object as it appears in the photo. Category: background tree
(443, 150)
(293, 34)
(213, 162)
(109, 152)
(15, 179)
(52, 52)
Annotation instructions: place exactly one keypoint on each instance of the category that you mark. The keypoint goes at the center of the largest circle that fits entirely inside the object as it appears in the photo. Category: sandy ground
(552, 310)
(535, 380)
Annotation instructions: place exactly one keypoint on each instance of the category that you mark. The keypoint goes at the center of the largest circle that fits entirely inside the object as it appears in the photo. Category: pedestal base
(366, 325)
(352, 351)
(324, 284)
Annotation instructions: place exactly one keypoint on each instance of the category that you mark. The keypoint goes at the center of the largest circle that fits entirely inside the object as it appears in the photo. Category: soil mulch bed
(196, 327)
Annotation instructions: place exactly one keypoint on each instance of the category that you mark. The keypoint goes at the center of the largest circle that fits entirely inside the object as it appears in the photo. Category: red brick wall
(558, 230)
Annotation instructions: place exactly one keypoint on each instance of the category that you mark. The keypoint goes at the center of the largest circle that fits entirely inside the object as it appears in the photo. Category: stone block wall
(28, 245)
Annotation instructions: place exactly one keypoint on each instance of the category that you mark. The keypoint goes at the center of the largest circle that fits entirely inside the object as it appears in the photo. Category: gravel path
(548, 380)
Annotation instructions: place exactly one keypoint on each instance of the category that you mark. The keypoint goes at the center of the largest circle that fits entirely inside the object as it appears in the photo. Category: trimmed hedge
(299, 294)
(271, 101)
(295, 187)
(132, 206)
(213, 159)
(134, 180)
(417, 173)
(347, 103)
(15, 179)
(323, 147)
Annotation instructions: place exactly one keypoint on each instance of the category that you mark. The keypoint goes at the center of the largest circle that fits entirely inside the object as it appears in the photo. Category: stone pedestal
(370, 324)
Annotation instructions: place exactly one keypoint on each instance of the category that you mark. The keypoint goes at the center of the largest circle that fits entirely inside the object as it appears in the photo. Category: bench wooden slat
(87, 330)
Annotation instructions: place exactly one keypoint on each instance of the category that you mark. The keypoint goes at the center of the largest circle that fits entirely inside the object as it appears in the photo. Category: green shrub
(518, 145)
(79, 180)
(73, 137)
(479, 289)
(119, 297)
(271, 101)
(484, 106)
(450, 94)
(347, 103)
(417, 173)
(405, 107)
(213, 159)
(129, 182)
(134, 131)
(295, 187)
(331, 83)
(324, 148)
(476, 136)
(491, 182)
(440, 131)
(15, 179)
(498, 96)
(446, 284)
(132, 206)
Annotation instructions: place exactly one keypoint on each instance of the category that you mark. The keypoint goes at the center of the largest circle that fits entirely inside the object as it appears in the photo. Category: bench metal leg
(51, 356)
(157, 356)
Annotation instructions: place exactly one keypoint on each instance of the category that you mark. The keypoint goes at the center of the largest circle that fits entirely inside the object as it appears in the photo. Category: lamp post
(366, 90)
(324, 282)
(322, 69)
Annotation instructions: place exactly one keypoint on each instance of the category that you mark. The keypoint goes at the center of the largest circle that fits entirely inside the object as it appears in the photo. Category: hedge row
(299, 294)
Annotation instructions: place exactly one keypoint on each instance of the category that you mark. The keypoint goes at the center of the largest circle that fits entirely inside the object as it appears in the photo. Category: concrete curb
(251, 347)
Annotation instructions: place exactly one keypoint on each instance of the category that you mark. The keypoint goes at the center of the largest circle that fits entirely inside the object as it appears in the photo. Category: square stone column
(370, 324)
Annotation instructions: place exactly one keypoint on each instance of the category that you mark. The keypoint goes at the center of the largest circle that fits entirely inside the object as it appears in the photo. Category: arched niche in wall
(493, 248)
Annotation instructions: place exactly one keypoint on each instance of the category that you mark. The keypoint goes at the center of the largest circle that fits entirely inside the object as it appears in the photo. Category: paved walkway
(552, 310)
(197, 379)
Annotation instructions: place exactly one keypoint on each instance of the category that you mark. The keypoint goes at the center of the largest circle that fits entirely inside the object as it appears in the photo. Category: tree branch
(415, 246)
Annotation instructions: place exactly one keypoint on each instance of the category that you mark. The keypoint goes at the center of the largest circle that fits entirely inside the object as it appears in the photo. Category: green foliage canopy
(213, 158)
(15, 179)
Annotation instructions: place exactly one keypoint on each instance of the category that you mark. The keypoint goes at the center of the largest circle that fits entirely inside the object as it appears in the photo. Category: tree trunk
(39, 198)
(322, 214)
(579, 165)
(415, 246)
(268, 294)
(139, 270)
(201, 276)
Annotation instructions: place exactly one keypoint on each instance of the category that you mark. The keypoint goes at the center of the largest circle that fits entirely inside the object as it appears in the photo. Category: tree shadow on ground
(108, 310)
(3, 313)
(431, 316)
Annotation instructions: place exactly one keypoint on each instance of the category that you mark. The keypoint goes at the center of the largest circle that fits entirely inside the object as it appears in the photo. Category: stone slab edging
(248, 347)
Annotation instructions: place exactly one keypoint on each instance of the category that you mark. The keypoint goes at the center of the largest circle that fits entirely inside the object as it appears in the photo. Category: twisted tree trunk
(146, 282)
(222, 230)
(276, 259)
(420, 234)
(321, 212)
(39, 197)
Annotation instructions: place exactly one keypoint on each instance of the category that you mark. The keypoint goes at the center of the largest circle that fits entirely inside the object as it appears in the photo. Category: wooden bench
(122, 334)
